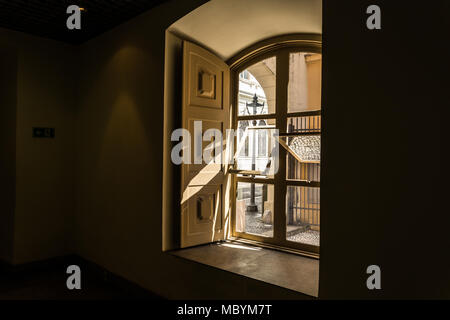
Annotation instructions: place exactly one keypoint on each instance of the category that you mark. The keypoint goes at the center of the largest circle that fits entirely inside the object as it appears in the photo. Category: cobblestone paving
(253, 224)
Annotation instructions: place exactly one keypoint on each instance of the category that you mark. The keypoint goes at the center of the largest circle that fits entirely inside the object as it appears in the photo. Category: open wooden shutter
(206, 98)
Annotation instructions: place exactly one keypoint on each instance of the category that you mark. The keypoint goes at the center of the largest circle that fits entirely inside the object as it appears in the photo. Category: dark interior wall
(44, 168)
(383, 200)
(8, 104)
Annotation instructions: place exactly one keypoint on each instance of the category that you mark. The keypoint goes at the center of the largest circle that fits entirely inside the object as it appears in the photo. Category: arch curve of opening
(227, 27)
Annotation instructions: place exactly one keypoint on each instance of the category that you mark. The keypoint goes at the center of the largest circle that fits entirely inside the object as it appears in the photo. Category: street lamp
(252, 207)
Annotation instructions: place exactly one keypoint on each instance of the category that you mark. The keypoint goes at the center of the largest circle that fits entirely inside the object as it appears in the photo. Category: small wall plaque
(43, 132)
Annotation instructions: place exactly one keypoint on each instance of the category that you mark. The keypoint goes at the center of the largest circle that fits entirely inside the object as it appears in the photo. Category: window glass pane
(303, 158)
(262, 143)
(303, 215)
(305, 81)
(302, 171)
(254, 208)
(255, 141)
(304, 124)
(257, 88)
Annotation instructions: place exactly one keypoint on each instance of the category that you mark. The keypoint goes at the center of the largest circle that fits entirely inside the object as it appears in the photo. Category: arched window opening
(279, 89)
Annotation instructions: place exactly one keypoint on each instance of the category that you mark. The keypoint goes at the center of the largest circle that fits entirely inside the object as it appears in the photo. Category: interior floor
(47, 281)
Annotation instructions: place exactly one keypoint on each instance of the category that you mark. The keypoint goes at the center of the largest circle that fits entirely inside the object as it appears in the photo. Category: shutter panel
(206, 98)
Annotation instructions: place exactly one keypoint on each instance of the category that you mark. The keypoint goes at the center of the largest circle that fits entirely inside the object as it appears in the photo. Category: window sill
(286, 270)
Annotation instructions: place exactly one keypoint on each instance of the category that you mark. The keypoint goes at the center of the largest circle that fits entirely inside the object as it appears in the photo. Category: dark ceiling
(47, 18)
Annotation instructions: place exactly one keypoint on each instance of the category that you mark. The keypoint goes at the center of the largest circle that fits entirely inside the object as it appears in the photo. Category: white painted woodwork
(205, 196)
